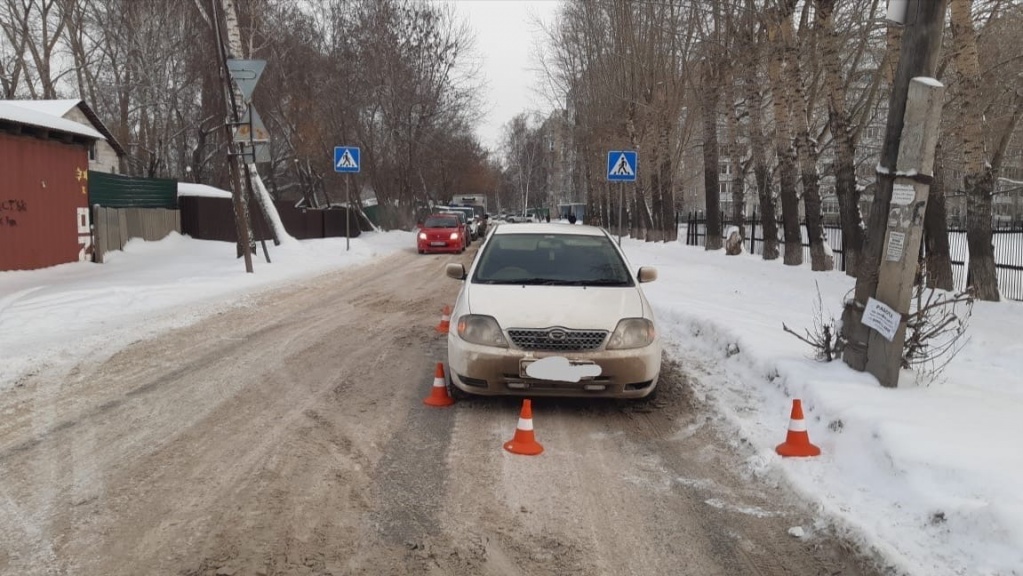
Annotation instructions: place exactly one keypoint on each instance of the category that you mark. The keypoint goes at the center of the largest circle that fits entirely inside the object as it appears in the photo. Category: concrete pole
(899, 267)
(921, 45)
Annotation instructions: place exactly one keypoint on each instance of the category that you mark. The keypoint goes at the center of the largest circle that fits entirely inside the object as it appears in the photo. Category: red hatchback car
(441, 233)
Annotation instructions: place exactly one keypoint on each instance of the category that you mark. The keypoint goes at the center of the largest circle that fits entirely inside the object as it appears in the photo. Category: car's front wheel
(456, 393)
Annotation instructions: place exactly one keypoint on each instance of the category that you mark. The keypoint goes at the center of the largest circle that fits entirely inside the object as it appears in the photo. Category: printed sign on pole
(882, 318)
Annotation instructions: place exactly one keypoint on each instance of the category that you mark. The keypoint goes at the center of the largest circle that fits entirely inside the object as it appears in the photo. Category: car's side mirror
(646, 273)
(456, 271)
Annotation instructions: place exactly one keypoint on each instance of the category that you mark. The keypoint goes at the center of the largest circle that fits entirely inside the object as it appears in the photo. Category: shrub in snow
(935, 328)
(826, 337)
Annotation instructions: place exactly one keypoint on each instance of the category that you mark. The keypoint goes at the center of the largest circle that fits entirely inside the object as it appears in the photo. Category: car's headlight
(454, 235)
(483, 330)
(422, 235)
(632, 333)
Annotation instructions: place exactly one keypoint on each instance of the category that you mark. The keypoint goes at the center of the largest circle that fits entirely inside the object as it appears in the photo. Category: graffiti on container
(10, 207)
(84, 235)
(13, 205)
(82, 175)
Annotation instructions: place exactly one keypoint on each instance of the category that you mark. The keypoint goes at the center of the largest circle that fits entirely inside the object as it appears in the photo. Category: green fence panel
(116, 191)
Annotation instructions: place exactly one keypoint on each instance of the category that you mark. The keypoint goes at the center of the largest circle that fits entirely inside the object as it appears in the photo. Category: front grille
(557, 339)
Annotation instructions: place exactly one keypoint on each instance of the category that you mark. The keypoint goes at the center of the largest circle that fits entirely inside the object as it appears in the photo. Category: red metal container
(44, 202)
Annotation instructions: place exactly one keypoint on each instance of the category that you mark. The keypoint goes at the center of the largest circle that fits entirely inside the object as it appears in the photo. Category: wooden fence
(113, 227)
(213, 219)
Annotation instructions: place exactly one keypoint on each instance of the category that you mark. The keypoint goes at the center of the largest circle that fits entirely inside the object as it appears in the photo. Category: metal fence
(205, 218)
(1008, 245)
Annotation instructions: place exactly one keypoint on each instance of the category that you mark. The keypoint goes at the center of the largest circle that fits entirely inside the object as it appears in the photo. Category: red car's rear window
(441, 222)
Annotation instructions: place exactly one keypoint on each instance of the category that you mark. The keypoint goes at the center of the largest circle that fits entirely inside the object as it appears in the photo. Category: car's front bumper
(489, 371)
(448, 246)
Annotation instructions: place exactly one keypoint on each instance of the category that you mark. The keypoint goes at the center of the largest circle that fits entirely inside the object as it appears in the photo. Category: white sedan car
(552, 310)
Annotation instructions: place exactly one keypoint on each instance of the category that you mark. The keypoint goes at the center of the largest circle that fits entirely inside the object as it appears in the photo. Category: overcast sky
(505, 40)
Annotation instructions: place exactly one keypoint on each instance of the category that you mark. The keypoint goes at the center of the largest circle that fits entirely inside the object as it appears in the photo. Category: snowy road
(289, 437)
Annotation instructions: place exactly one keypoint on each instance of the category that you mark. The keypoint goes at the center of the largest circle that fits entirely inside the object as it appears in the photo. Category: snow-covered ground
(927, 475)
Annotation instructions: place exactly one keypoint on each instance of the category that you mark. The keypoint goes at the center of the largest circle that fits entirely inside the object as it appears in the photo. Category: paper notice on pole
(896, 246)
(903, 194)
(882, 318)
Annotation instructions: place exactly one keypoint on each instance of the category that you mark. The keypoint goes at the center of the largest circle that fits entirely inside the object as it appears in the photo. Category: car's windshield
(459, 215)
(467, 212)
(441, 222)
(552, 259)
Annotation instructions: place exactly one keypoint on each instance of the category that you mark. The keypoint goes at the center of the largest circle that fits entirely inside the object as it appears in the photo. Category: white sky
(927, 476)
(505, 40)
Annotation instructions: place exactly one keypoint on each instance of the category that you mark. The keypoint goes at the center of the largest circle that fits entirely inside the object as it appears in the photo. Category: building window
(92, 152)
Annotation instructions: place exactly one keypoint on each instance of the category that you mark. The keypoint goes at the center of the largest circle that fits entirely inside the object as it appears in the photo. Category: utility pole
(238, 196)
(921, 44)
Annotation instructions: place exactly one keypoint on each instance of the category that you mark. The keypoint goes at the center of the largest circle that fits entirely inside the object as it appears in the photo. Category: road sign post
(347, 161)
(621, 167)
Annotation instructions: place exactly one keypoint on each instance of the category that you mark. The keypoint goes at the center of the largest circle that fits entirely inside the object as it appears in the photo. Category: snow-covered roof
(60, 108)
(189, 189)
(10, 111)
(52, 107)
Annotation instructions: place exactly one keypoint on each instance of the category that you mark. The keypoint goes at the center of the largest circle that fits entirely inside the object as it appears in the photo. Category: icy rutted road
(289, 436)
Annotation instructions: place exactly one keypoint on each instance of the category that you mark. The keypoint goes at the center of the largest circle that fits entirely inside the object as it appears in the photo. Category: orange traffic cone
(797, 443)
(445, 320)
(524, 442)
(439, 391)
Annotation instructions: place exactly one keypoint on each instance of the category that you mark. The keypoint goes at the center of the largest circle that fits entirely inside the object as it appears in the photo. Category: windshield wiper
(606, 282)
(537, 281)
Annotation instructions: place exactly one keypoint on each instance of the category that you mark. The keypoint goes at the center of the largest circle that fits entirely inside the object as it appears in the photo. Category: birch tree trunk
(736, 175)
(841, 131)
(807, 153)
(979, 178)
(759, 141)
(783, 144)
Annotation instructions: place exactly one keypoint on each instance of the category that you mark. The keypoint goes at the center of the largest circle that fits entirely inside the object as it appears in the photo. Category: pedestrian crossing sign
(346, 158)
(621, 165)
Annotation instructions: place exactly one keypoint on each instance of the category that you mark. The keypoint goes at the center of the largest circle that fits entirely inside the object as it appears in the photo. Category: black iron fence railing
(1007, 240)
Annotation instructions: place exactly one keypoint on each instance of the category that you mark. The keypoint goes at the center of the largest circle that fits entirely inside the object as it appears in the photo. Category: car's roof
(442, 215)
(549, 228)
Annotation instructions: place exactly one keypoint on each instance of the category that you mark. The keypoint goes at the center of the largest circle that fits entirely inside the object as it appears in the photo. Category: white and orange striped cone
(439, 391)
(797, 442)
(445, 320)
(524, 441)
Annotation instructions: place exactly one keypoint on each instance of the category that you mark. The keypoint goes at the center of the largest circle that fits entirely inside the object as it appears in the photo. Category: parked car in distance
(552, 310)
(472, 220)
(441, 233)
(464, 219)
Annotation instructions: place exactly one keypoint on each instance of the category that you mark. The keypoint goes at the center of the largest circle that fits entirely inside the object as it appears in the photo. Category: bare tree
(751, 54)
(779, 18)
(34, 28)
(523, 148)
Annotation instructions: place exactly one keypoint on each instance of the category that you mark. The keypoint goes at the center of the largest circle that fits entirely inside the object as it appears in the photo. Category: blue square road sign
(621, 165)
(346, 159)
